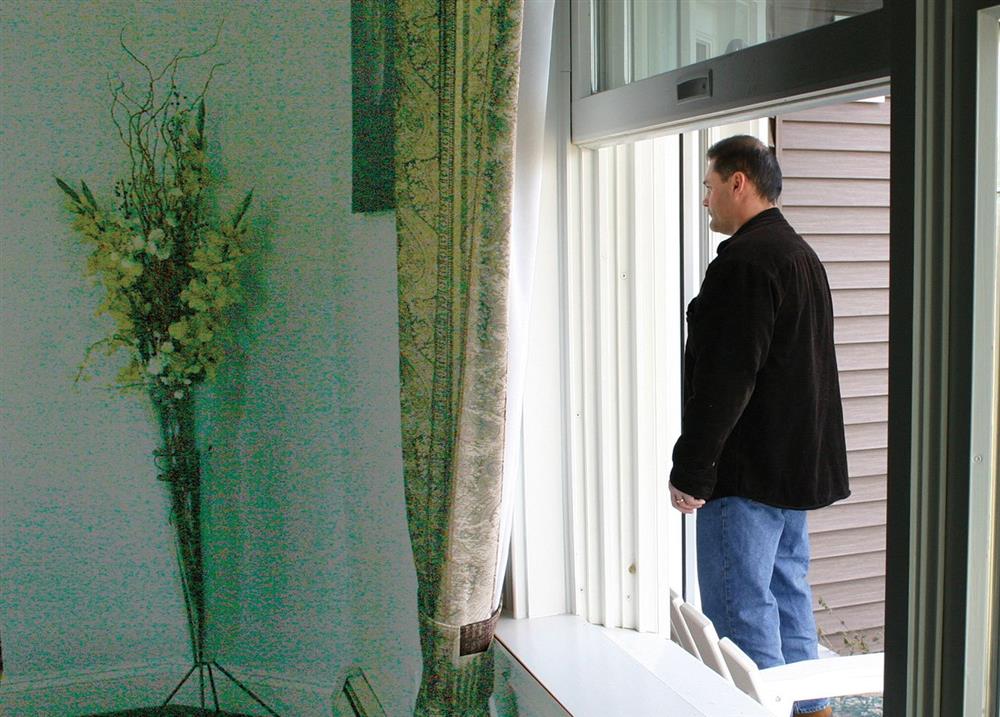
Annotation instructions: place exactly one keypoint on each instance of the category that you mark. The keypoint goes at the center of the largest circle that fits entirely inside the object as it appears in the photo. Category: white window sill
(595, 671)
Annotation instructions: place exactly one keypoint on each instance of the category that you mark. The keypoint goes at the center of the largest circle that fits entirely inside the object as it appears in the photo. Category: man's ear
(740, 182)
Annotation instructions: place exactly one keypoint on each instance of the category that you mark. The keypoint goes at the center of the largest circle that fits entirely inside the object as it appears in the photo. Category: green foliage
(169, 266)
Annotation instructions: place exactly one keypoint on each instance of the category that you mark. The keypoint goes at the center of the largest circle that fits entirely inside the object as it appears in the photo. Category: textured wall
(312, 571)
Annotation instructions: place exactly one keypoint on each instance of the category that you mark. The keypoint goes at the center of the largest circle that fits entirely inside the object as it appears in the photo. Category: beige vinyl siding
(836, 194)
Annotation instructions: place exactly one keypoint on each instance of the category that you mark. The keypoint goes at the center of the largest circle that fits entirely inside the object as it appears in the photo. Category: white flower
(178, 394)
(154, 244)
(155, 366)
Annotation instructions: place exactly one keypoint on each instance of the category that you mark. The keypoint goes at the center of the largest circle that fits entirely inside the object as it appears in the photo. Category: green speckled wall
(310, 569)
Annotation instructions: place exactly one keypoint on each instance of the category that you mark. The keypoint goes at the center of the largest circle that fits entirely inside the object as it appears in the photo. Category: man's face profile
(719, 201)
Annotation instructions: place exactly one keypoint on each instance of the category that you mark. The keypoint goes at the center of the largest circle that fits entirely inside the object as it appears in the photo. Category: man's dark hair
(749, 155)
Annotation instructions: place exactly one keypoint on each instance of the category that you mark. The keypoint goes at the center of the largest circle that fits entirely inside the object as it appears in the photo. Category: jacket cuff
(697, 483)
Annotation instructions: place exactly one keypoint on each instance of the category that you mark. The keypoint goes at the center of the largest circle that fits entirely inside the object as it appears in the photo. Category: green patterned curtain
(457, 64)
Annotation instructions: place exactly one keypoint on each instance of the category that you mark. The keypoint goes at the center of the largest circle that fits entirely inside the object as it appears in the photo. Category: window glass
(636, 39)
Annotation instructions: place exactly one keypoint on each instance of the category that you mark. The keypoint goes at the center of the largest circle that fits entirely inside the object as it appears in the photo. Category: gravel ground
(861, 706)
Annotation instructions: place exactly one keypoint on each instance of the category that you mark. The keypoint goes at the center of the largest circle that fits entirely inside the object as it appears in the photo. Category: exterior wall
(836, 194)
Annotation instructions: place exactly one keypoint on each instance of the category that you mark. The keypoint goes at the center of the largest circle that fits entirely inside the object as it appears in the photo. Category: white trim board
(981, 611)
(596, 671)
(129, 686)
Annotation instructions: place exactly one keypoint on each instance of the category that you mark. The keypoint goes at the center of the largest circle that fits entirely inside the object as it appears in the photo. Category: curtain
(457, 67)
(529, 160)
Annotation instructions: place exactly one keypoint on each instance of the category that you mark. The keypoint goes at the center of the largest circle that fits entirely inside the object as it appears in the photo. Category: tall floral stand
(170, 267)
(179, 465)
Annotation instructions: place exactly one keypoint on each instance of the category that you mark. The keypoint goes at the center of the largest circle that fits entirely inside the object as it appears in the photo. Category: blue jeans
(752, 565)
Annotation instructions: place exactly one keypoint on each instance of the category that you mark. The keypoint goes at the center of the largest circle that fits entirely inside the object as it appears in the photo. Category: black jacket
(762, 414)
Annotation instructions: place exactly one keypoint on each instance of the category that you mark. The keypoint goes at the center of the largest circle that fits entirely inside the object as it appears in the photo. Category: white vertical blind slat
(647, 564)
(665, 205)
(592, 436)
(608, 368)
(626, 379)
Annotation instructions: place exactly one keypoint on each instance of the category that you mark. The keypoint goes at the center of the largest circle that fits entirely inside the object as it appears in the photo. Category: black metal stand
(206, 666)
(180, 467)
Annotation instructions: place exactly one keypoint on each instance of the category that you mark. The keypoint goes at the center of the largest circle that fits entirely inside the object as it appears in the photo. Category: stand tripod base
(202, 668)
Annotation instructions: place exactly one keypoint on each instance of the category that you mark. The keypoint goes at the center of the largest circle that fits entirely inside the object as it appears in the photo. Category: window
(718, 88)
(931, 546)
(637, 39)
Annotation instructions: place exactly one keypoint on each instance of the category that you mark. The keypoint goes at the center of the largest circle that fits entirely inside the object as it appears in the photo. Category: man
(762, 435)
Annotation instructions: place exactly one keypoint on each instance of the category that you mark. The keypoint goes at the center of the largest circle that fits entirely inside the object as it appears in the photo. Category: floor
(842, 707)
(169, 711)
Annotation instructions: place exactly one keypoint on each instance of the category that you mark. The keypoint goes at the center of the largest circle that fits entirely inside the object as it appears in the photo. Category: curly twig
(116, 93)
(201, 53)
(121, 41)
(149, 132)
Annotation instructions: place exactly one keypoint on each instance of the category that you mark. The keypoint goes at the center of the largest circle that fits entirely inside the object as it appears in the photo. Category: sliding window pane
(636, 39)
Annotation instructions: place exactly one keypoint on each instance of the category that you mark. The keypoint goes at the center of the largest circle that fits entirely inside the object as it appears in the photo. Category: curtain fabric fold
(457, 69)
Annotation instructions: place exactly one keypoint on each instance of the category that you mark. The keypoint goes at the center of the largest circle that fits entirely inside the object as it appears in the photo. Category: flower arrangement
(170, 268)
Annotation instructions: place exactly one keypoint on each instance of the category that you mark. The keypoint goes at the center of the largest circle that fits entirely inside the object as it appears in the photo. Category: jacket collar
(768, 216)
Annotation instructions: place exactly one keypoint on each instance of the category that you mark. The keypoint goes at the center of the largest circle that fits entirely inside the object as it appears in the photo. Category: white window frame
(983, 547)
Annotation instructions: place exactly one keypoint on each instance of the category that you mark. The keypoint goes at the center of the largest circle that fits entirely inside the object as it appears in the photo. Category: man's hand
(683, 502)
